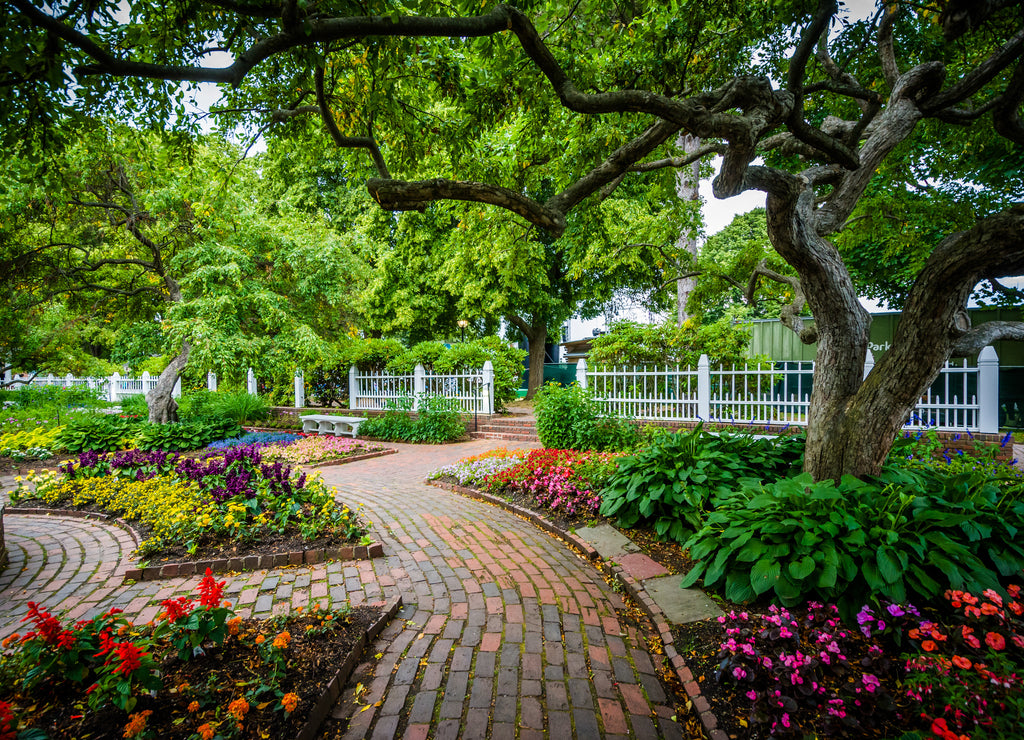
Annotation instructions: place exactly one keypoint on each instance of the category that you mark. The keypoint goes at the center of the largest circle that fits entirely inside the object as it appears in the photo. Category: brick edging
(635, 589)
(344, 460)
(244, 563)
(333, 689)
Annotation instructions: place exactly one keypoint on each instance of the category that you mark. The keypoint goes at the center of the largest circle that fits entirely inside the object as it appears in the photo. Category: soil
(215, 679)
(10, 466)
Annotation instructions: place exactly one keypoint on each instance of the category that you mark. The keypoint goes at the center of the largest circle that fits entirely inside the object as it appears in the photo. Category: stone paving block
(681, 605)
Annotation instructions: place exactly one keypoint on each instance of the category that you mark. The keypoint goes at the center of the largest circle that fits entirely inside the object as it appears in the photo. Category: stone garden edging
(635, 589)
(333, 689)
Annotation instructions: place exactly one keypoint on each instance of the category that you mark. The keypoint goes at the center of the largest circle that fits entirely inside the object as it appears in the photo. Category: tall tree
(832, 101)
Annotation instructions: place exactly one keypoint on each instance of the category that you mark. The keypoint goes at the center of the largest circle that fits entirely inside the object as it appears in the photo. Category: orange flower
(289, 702)
(9, 639)
(914, 634)
(193, 707)
(995, 640)
(136, 723)
(233, 625)
(961, 662)
(206, 732)
(298, 610)
(992, 596)
(260, 639)
(1016, 608)
(989, 609)
(928, 646)
(238, 709)
(282, 640)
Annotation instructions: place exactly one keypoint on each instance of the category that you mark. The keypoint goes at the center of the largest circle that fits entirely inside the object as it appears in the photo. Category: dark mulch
(10, 466)
(222, 675)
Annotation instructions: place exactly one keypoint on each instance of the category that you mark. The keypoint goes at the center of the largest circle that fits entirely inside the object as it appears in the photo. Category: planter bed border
(334, 688)
(244, 563)
(635, 589)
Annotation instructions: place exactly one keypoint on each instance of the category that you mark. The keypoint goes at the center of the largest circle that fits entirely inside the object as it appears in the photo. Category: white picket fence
(114, 388)
(375, 390)
(779, 393)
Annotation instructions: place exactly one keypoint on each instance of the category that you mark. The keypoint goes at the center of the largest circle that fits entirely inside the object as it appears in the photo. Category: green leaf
(764, 574)
(802, 568)
(889, 566)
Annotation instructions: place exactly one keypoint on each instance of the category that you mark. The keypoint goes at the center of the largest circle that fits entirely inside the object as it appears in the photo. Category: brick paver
(504, 632)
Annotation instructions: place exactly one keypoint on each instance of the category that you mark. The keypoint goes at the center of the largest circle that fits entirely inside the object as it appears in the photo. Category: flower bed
(196, 507)
(319, 449)
(565, 482)
(198, 671)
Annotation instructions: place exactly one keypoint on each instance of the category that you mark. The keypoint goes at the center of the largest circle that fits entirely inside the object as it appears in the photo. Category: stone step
(508, 436)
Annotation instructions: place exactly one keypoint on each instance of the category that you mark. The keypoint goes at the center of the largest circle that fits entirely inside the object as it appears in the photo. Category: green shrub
(438, 421)
(207, 406)
(563, 415)
(54, 397)
(98, 432)
(671, 483)
(905, 535)
(630, 343)
(135, 406)
(184, 437)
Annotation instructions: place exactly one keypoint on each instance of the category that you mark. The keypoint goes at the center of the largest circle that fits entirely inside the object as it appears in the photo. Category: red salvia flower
(210, 591)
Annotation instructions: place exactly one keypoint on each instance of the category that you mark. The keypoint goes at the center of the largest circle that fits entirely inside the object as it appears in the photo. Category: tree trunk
(536, 337)
(687, 188)
(162, 406)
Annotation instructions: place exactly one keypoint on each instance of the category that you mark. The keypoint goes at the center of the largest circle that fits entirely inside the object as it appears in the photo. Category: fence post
(353, 388)
(869, 363)
(211, 380)
(112, 395)
(988, 390)
(145, 383)
(250, 381)
(581, 373)
(419, 384)
(704, 388)
(300, 389)
(7, 376)
(69, 380)
(488, 378)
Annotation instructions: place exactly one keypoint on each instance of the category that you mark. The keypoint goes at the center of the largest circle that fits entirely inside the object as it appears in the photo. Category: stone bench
(336, 425)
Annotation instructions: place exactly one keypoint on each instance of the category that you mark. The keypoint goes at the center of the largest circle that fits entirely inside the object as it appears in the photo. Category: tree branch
(677, 162)
(1006, 116)
(789, 315)
(356, 142)
(886, 49)
(976, 78)
(985, 334)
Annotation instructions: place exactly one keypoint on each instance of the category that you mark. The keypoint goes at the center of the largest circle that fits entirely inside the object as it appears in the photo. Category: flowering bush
(110, 661)
(189, 502)
(968, 677)
(474, 471)
(24, 440)
(561, 480)
(805, 675)
(255, 438)
(319, 448)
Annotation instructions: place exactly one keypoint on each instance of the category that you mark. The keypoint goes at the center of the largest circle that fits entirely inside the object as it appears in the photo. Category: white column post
(7, 376)
(704, 388)
(145, 382)
(115, 380)
(488, 377)
(300, 389)
(211, 380)
(988, 391)
(869, 363)
(69, 381)
(353, 388)
(419, 385)
(250, 381)
(581, 373)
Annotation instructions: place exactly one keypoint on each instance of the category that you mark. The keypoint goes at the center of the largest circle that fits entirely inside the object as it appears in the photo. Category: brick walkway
(505, 633)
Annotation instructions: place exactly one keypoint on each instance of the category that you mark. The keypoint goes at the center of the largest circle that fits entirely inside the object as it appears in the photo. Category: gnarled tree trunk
(536, 337)
(162, 406)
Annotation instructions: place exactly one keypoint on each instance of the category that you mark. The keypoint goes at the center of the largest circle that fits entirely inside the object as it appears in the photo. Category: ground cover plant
(200, 506)
(261, 439)
(198, 671)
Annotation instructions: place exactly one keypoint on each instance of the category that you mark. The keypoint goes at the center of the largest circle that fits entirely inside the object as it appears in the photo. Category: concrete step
(508, 436)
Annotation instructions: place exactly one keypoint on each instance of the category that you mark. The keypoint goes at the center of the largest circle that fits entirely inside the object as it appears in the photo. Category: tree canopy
(544, 109)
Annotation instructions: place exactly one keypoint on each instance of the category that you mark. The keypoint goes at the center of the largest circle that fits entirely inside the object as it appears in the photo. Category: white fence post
(488, 378)
(250, 382)
(7, 376)
(300, 389)
(211, 380)
(419, 381)
(988, 391)
(581, 373)
(69, 380)
(145, 383)
(353, 388)
(869, 363)
(704, 388)
(112, 395)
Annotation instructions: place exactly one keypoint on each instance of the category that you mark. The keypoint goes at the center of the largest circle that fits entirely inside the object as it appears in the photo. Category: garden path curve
(504, 632)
